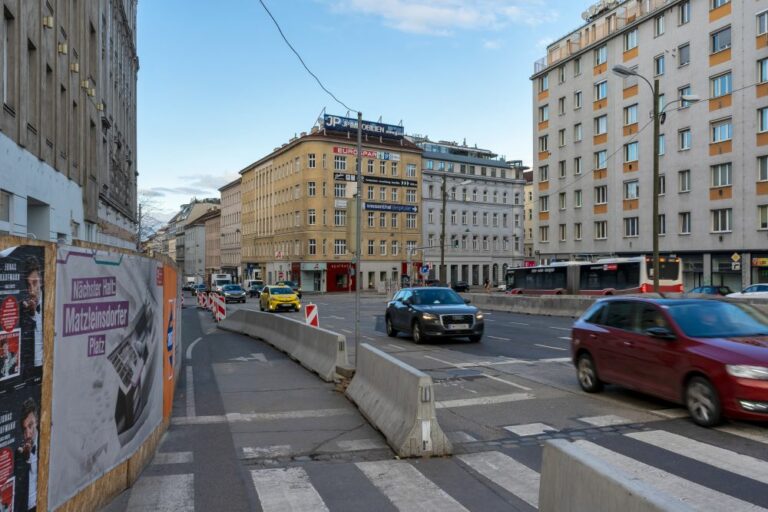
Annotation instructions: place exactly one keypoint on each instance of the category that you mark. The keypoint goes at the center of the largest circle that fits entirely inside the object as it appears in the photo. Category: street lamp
(624, 72)
(443, 273)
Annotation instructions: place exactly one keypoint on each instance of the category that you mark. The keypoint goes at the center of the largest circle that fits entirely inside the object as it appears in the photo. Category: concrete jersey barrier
(316, 349)
(398, 400)
(574, 480)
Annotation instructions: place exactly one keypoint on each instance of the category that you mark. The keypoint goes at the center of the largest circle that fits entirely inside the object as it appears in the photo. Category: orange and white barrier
(310, 315)
(219, 307)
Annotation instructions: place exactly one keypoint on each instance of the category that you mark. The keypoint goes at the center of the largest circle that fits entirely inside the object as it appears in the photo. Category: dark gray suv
(433, 313)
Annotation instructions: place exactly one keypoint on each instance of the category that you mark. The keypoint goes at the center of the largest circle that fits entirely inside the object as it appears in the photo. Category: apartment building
(231, 232)
(528, 223)
(593, 172)
(68, 123)
(299, 207)
(483, 215)
(175, 234)
(212, 222)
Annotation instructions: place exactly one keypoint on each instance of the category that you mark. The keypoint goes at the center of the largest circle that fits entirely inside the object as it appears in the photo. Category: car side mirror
(660, 332)
(467, 301)
(407, 302)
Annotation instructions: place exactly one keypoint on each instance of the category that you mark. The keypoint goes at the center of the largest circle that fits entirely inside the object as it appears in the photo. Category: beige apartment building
(593, 153)
(231, 235)
(68, 123)
(212, 221)
(299, 208)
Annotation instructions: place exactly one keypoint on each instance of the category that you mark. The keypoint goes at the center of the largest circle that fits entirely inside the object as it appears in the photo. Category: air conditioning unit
(85, 84)
(74, 67)
(92, 92)
(63, 48)
(48, 21)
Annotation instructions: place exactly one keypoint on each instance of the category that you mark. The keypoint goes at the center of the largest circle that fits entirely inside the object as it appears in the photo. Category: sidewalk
(243, 406)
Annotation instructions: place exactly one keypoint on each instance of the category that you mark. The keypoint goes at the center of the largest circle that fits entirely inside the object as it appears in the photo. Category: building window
(662, 224)
(577, 66)
(562, 200)
(543, 113)
(410, 170)
(383, 248)
(311, 161)
(762, 23)
(543, 83)
(544, 234)
(340, 217)
(383, 193)
(631, 189)
(721, 220)
(684, 139)
(393, 220)
(577, 165)
(371, 219)
(431, 216)
(601, 159)
(719, 3)
(658, 65)
(474, 195)
(410, 221)
(601, 194)
(383, 167)
(312, 247)
(562, 232)
(474, 218)
(410, 196)
(544, 204)
(630, 40)
(382, 220)
(601, 55)
(370, 193)
(577, 100)
(762, 217)
(496, 219)
(561, 74)
(5, 206)
(496, 196)
(561, 137)
(453, 217)
(762, 168)
(721, 85)
(543, 174)
(721, 175)
(370, 166)
(722, 131)
(684, 12)
(395, 248)
(577, 231)
(577, 199)
(631, 152)
(393, 168)
(762, 119)
(662, 184)
(684, 220)
(720, 40)
(662, 144)
(601, 230)
(601, 125)
(311, 189)
(630, 114)
(684, 181)
(339, 189)
(631, 227)
(395, 194)
(561, 106)
(339, 247)
(601, 90)
(577, 132)
(339, 163)
(658, 26)
(561, 171)
(371, 247)
(762, 71)
(463, 218)
(311, 217)
(543, 143)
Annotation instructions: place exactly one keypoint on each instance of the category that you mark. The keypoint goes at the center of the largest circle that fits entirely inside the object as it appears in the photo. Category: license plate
(458, 327)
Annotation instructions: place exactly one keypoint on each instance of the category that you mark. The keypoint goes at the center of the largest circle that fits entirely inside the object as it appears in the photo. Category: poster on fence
(172, 348)
(108, 364)
(21, 370)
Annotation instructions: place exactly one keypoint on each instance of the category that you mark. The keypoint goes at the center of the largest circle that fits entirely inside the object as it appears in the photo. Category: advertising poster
(172, 348)
(21, 370)
(107, 379)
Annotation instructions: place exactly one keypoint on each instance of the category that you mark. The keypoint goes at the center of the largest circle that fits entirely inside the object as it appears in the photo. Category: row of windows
(476, 243)
(390, 220)
(434, 193)
(340, 164)
(339, 248)
(488, 220)
(463, 168)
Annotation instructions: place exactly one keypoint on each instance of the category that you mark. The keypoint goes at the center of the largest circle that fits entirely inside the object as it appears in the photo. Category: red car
(710, 355)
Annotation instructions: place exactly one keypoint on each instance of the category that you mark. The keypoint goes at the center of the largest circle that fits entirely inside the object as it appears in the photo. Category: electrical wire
(320, 83)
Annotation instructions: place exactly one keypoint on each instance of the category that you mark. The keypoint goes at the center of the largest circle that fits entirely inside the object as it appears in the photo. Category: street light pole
(443, 277)
(358, 230)
(655, 207)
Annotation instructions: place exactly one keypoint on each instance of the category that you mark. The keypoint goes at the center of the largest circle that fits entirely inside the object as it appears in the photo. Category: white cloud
(492, 44)
(445, 17)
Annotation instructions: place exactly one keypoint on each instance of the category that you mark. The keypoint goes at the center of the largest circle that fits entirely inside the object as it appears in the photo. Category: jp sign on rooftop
(345, 124)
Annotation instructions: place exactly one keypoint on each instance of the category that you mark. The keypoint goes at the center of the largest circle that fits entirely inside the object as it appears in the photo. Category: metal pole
(443, 277)
(655, 208)
(358, 230)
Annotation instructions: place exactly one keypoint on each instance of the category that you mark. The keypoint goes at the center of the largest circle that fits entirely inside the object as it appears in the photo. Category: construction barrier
(219, 308)
(399, 400)
(311, 316)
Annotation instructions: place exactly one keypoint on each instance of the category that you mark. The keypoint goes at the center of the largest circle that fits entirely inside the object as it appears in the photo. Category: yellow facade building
(299, 208)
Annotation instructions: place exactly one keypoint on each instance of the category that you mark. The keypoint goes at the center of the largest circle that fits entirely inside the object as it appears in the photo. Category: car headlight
(479, 315)
(428, 316)
(747, 372)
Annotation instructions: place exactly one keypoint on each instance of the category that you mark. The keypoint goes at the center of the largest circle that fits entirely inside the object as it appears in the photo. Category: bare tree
(148, 219)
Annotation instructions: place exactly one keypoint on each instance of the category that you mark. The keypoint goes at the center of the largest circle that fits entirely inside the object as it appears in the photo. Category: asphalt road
(265, 434)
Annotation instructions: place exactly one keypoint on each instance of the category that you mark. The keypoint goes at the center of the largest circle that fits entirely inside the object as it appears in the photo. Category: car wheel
(587, 374)
(702, 402)
(418, 334)
(476, 339)
(391, 331)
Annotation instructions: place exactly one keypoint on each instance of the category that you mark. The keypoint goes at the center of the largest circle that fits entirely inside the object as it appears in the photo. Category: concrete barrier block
(573, 480)
(399, 401)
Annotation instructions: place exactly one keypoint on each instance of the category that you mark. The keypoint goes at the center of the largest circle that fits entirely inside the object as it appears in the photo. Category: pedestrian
(487, 285)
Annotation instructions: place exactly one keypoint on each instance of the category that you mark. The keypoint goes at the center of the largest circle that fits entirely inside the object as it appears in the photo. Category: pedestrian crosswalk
(683, 465)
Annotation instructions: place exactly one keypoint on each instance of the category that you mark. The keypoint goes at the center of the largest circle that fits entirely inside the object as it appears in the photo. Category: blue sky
(218, 88)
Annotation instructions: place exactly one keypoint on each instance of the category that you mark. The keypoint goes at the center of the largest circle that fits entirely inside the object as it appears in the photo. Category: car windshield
(433, 297)
(718, 319)
(281, 291)
(289, 284)
(233, 288)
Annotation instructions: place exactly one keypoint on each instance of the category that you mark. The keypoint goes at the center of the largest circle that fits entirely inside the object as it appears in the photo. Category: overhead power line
(319, 82)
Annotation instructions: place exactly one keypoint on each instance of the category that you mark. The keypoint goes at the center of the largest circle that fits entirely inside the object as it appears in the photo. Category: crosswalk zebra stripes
(407, 485)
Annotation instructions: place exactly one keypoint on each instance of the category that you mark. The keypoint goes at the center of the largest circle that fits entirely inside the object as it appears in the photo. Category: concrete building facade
(68, 123)
(594, 140)
(212, 221)
(231, 230)
(299, 211)
(528, 223)
(484, 212)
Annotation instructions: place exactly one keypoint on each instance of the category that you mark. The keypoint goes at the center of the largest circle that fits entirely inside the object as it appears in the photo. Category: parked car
(279, 298)
(433, 313)
(255, 290)
(433, 282)
(710, 355)
(756, 290)
(233, 293)
(460, 286)
(712, 290)
(292, 285)
(199, 288)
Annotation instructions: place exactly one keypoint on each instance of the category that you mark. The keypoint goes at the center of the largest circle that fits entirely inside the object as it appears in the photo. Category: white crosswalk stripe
(286, 490)
(691, 493)
(169, 493)
(507, 473)
(733, 462)
(530, 429)
(747, 432)
(407, 488)
(608, 420)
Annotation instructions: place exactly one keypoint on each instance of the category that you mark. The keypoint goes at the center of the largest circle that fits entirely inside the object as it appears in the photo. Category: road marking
(336, 317)
(357, 445)
(286, 489)
(500, 339)
(518, 323)
(407, 488)
(191, 347)
(266, 452)
(507, 473)
(549, 346)
(608, 420)
(254, 357)
(671, 413)
(555, 360)
(237, 417)
(690, 493)
(169, 493)
(566, 338)
(396, 347)
(747, 432)
(460, 437)
(368, 338)
(483, 400)
(190, 388)
(347, 331)
(561, 328)
(530, 429)
(162, 458)
(743, 465)
(499, 379)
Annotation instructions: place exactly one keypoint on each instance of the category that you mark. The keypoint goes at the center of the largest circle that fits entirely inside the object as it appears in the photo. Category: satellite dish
(585, 15)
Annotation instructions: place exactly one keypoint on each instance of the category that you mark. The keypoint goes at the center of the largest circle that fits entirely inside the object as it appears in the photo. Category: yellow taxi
(279, 298)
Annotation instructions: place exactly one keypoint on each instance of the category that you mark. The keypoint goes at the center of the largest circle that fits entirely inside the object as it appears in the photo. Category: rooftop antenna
(319, 121)
(347, 115)
(379, 119)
